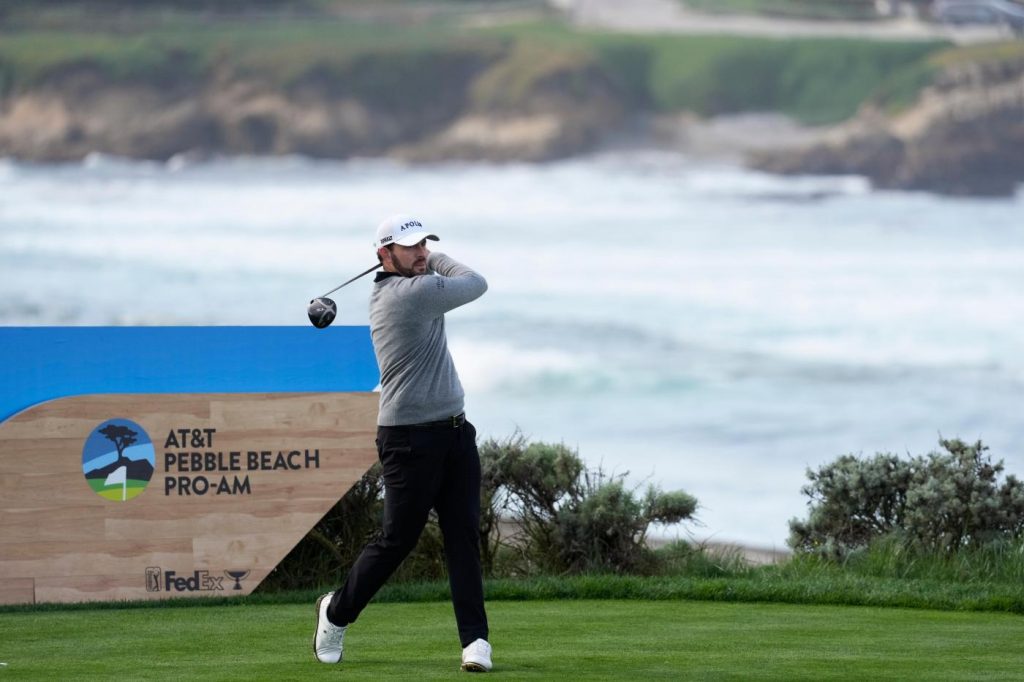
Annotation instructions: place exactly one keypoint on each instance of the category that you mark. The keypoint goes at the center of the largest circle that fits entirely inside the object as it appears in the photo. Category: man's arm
(454, 285)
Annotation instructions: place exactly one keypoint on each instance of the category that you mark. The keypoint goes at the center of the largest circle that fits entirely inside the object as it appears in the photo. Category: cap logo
(410, 224)
(385, 240)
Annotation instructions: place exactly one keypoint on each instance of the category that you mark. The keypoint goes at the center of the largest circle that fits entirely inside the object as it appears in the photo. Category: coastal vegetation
(940, 503)
(939, 531)
(543, 512)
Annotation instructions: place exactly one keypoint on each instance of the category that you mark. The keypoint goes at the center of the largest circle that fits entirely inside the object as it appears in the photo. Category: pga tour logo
(159, 580)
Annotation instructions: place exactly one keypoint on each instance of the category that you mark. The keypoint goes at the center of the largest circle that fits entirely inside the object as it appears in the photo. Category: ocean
(681, 322)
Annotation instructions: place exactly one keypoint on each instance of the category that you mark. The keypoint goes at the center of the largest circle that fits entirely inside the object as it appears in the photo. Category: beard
(411, 269)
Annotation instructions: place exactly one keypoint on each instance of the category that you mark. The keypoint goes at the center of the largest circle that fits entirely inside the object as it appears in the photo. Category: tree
(122, 437)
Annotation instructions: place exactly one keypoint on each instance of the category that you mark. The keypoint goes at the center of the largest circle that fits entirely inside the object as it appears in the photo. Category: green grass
(820, 80)
(279, 48)
(113, 491)
(543, 640)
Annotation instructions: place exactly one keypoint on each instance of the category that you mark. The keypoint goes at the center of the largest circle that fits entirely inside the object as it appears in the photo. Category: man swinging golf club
(426, 447)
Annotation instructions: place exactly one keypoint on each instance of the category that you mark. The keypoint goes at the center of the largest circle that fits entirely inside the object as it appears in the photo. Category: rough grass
(791, 584)
(833, 587)
(544, 640)
(999, 562)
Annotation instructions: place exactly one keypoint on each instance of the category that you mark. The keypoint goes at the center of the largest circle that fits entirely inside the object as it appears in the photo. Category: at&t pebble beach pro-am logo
(118, 460)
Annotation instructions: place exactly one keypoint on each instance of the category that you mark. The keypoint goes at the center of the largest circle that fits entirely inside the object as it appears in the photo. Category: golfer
(426, 447)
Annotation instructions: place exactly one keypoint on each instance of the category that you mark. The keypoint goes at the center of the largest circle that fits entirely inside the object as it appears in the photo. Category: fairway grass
(541, 640)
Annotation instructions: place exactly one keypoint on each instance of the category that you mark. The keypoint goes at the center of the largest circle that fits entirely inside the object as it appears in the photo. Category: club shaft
(361, 274)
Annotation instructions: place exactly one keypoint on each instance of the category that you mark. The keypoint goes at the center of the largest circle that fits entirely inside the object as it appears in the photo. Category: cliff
(531, 95)
(454, 103)
(963, 136)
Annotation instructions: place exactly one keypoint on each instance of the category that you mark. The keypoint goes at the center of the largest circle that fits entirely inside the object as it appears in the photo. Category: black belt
(447, 423)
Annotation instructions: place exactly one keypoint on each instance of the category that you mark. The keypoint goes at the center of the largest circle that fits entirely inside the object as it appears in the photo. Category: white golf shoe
(328, 637)
(476, 658)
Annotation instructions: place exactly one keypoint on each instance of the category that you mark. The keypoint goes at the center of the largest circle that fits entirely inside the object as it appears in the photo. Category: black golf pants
(426, 466)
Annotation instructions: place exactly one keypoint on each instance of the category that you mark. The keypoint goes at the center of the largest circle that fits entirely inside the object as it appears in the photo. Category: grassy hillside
(189, 49)
(816, 81)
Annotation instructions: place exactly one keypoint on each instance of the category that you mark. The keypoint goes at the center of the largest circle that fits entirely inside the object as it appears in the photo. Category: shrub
(568, 519)
(956, 500)
(941, 502)
(542, 512)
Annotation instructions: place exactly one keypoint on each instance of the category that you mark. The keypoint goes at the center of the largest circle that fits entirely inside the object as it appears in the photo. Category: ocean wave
(704, 179)
(544, 356)
(755, 186)
(101, 162)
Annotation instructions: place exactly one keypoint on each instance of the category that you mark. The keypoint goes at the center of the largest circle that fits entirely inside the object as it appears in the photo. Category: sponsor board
(163, 462)
(212, 490)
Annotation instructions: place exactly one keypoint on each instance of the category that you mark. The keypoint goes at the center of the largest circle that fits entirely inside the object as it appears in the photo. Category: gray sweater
(417, 377)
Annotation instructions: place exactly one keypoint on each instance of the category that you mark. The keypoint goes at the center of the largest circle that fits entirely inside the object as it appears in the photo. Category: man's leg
(412, 470)
(458, 513)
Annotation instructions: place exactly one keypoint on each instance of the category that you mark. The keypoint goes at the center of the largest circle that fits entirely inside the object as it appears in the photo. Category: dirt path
(670, 16)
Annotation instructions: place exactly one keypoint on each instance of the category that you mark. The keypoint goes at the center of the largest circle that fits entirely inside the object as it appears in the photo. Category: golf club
(322, 310)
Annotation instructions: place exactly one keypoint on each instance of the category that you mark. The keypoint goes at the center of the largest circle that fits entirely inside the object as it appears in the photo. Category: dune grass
(572, 639)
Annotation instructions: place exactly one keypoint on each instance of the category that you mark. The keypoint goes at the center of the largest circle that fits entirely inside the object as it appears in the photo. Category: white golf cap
(402, 229)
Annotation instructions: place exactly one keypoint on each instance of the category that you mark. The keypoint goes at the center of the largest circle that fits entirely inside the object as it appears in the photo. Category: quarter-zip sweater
(418, 381)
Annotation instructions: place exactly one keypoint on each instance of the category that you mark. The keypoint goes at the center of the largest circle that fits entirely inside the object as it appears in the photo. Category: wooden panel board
(236, 481)
(17, 591)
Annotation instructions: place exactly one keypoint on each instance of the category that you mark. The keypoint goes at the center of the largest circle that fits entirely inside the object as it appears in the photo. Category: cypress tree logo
(118, 460)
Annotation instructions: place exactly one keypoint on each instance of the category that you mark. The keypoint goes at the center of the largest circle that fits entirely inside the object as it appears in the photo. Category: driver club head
(322, 312)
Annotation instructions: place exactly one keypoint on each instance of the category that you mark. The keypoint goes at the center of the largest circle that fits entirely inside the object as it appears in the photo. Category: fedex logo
(159, 580)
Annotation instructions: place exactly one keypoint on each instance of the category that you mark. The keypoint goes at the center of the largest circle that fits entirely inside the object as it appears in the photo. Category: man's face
(406, 260)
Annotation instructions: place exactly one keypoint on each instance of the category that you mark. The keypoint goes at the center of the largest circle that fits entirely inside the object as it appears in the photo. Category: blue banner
(44, 363)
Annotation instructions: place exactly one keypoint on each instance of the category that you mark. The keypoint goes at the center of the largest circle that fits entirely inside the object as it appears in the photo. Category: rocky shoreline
(964, 136)
(79, 110)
